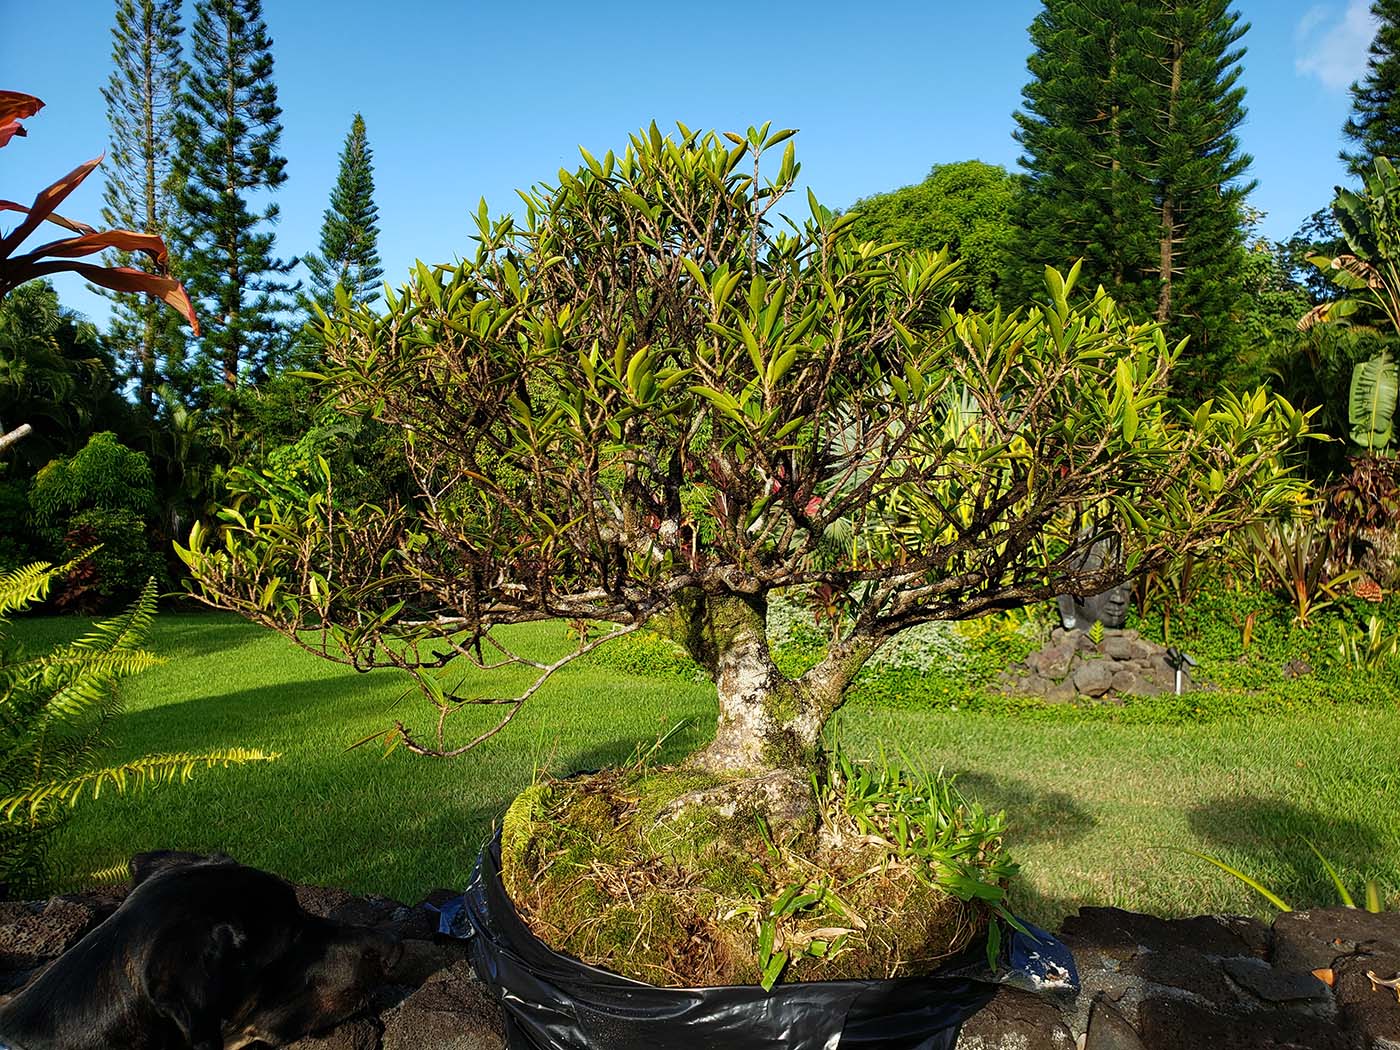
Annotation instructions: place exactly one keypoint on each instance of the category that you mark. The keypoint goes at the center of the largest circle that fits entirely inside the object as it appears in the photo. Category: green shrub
(122, 561)
(14, 512)
(101, 496)
(649, 655)
(103, 475)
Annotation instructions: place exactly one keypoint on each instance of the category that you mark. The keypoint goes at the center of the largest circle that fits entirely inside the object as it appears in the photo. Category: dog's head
(232, 958)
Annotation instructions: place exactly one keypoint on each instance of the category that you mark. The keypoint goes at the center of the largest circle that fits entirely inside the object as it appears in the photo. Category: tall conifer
(1374, 124)
(142, 95)
(228, 135)
(349, 253)
(1129, 137)
(1085, 197)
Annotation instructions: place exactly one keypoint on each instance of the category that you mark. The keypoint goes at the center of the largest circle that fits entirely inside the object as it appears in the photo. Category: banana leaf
(1374, 385)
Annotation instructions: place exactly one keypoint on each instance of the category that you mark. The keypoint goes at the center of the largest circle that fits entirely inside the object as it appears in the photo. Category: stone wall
(1205, 983)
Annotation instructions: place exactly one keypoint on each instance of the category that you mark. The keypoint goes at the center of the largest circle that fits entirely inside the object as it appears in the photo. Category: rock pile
(1072, 665)
(1211, 983)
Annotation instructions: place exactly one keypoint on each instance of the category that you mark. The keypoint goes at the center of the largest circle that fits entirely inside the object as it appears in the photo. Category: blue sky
(467, 99)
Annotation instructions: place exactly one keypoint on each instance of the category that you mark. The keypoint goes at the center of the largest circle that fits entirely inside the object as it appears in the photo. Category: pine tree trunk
(147, 360)
(1168, 242)
(1115, 131)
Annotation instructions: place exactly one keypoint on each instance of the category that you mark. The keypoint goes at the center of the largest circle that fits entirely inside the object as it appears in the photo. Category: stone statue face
(1109, 608)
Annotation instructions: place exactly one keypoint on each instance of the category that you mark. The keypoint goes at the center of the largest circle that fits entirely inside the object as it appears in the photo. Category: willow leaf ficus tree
(650, 400)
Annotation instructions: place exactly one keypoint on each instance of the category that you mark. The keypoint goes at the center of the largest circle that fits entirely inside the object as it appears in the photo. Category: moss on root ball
(609, 868)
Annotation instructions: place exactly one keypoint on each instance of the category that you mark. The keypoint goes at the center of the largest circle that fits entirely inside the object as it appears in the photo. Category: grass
(396, 825)
(1092, 803)
(1095, 806)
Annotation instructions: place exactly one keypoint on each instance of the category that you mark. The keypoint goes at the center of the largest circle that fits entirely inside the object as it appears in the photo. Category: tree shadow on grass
(175, 635)
(1267, 839)
(1033, 815)
(396, 824)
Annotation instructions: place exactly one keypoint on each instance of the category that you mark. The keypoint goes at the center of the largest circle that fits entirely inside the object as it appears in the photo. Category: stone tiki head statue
(1109, 607)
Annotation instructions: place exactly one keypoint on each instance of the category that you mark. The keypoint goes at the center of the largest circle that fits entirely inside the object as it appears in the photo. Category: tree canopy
(651, 402)
(1374, 123)
(1133, 163)
(965, 207)
(228, 131)
(349, 255)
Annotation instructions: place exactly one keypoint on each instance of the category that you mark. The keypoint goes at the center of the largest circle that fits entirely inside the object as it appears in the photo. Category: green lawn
(1091, 802)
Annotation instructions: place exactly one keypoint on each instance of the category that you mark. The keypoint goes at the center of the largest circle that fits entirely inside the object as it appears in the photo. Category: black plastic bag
(555, 1002)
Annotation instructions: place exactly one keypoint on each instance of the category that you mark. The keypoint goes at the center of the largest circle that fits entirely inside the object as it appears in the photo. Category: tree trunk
(151, 149)
(767, 721)
(767, 743)
(1167, 262)
(14, 436)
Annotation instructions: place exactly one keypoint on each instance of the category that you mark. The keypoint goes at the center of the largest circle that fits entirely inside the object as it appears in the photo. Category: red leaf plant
(59, 255)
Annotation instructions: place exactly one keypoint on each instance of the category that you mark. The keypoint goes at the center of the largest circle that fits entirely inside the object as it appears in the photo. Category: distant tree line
(195, 129)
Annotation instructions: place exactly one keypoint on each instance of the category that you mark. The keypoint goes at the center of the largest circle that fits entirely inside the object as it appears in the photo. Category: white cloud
(1335, 50)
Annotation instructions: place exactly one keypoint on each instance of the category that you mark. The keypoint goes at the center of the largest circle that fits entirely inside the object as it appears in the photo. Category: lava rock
(1274, 985)
(451, 1011)
(1093, 679)
(1014, 1020)
(1109, 1030)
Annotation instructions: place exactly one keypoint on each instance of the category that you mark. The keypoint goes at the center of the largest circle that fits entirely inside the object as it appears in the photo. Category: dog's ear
(144, 865)
(187, 982)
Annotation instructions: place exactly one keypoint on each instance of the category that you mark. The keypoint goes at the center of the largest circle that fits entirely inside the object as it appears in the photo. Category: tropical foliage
(59, 256)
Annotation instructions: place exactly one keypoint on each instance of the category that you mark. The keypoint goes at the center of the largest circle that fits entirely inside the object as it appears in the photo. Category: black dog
(208, 955)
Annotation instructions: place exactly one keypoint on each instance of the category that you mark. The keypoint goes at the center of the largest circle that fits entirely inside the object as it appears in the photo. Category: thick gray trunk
(767, 721)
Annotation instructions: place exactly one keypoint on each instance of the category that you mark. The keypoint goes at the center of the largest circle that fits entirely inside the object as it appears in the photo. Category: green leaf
(1374, 386)
(773, 970)
(1373, 897)
(1342, 893)
(1258, 887)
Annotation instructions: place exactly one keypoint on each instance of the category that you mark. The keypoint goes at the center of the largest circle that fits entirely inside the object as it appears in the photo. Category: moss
(518, 828)
(784, 749)
(783, 704)
(611, 875)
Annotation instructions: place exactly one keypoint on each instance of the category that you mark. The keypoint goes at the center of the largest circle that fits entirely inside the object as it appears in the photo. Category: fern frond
(24, 586)
(127, 631)
(136, 774)
(75, 882)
